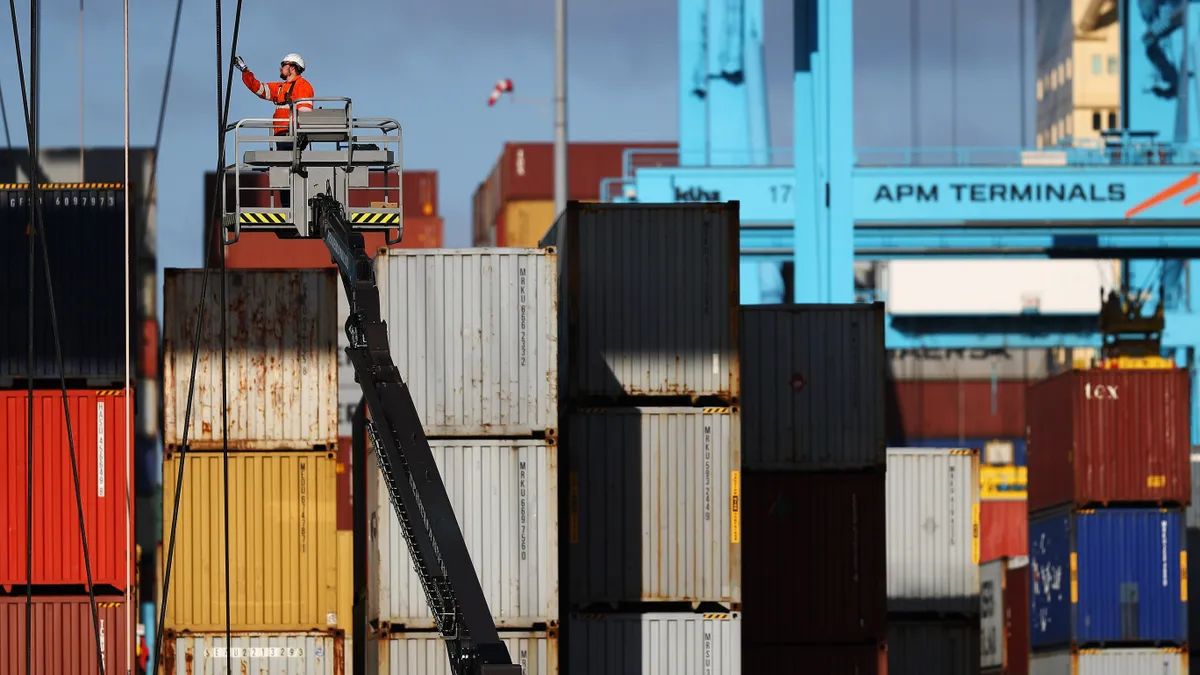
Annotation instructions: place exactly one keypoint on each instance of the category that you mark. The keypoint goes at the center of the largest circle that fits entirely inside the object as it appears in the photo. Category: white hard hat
(294, 58)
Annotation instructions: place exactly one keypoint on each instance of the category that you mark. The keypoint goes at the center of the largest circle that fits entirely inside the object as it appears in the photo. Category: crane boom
(319, 181)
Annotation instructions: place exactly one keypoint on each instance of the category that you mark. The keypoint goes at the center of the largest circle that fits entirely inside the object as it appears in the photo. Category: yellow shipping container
(525, 222)
(285, 552)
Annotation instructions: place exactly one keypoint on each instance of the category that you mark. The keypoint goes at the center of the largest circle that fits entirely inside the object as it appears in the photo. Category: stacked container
(474, 334)
(1004, 616)
(290, 580)
(1109, 480)
(84, 232)
(814, 458)
(652, 432)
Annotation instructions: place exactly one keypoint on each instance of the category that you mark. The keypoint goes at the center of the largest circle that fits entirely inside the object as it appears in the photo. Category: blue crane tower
(1133, 196)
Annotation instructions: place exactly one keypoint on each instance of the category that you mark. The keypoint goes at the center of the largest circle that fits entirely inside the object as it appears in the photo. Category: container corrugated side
(1111, 662)
(425, 653)
(991, 613)
(283, 542)
(64, 637)
(957, 410)
(505, 496)
(1001, 363)
(98, 422)
(786, 514)
(259, 653)
(933, 530)
(85, 234)
(654, 643)
(652, 300)
(1003, 529)
(814, 382)
(474, 333)
(654, 505)
(947, 647)
(282, 365)
(1083, 593)
(869, 659)
(1107, 436)
(1016, 617)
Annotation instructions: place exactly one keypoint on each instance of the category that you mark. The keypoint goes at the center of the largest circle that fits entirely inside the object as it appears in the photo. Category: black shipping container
(85, 238)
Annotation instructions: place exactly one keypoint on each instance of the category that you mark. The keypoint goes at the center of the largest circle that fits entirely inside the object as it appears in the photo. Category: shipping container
(505, 495)
(945, 647)
(474, 333)
(654, 501)
(1003, 483)
(1003, 529)
(869, 659)
(64, 636)
(148, 352)
(345, 505)
(263, 250)
(992, 451)
(425, 653)
(1082, 594)
(654, 643)
(1001, 363)
(1107, 436)
(652, 299)
(814, 384)
(525, 222)
(1162, 661)
(933, 530)
(963, 409)
(85, 233)
(1193, 549)
(312, 653)
(843, 589)
(997, 287)
(282, 361)
(283, 545)
(1004, 616)
(99, 425)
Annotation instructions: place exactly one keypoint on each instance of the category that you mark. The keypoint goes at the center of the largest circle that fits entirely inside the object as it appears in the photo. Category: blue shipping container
(1107, 576)
(971, 443)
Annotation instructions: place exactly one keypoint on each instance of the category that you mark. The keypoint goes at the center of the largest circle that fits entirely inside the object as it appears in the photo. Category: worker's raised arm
(257, 88)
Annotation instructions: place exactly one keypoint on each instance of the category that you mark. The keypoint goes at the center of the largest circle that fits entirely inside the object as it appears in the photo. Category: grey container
(258, 653)
(651, 294)
(425, 653)
(933, 530)
(814, 381)
(474, 333)
(656, 643)
(85, 235)
(946, 647)
(1160, 661)
(505, 495)
(654, 505)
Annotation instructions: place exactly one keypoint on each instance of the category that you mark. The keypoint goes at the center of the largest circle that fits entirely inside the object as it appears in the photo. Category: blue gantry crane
(1133, 196)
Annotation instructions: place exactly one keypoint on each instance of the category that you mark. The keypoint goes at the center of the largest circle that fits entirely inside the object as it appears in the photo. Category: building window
(1069, 68)
(1097, 65)
(1053, 79)
(1096, 120)
(1062, 73)
(1112, 120)
(1040, 140)
(1071, 125)
(1053, 137)
(1113, 65)
(1039, 88)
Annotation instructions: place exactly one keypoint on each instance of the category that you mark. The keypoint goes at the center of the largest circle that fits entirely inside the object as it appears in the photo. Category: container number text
(254, 653)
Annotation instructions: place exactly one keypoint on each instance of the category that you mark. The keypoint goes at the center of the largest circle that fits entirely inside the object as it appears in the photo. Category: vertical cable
(1023, 74)
(82, 88)
(4, 114)
(914, 99)
(130, 626)
(34, 227)
(954, 75)
(222, 104)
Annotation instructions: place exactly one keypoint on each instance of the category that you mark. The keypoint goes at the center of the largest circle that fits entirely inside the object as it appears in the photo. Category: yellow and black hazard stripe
(63, 186)
(109, 392)
(374, 218)
(263, 218)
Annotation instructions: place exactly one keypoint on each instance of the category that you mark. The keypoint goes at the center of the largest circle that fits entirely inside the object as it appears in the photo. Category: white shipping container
(652, 298)
(474, 333)
(814, 385)
(425, 653)
(655, 644)
(349, 391)
(933, 530)
(997, 287)
(1160, 661)
(258, 653)
(654, 505)
(282, 365)
(992, 633)
(505, 496)
(999, 363)
(947, 647)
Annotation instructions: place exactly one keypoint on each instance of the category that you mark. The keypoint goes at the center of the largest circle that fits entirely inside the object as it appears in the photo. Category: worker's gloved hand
(239, 63)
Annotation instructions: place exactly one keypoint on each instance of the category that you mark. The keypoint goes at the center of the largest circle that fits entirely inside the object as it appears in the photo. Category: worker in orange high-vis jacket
(291, 87)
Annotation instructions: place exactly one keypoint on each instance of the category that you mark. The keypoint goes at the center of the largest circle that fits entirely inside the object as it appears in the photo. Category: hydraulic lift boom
(319, 181)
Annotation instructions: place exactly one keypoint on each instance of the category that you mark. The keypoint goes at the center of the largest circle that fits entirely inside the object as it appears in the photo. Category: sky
(431, 65)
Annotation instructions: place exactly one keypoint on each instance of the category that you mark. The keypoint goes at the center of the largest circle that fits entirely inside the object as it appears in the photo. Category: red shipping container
(1016, 622)
(867, 659)
(955, 409)
(791, 594)
(263, 250)
(1098, 437)
(97, 422)
(1003, 529)
(148, 350)
(64, 637)
(345, 508)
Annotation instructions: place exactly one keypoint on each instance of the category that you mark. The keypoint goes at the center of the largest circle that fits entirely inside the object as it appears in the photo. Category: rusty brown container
(64, 637)
(865, 659)
(1098, 437)
(1016, 620)
(263, 250)
(955, 410)
(790, 592)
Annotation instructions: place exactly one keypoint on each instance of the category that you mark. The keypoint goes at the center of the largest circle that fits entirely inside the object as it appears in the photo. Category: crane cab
(325, 151)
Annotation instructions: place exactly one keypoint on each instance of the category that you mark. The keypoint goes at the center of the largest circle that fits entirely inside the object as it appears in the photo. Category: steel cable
(152, 192)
